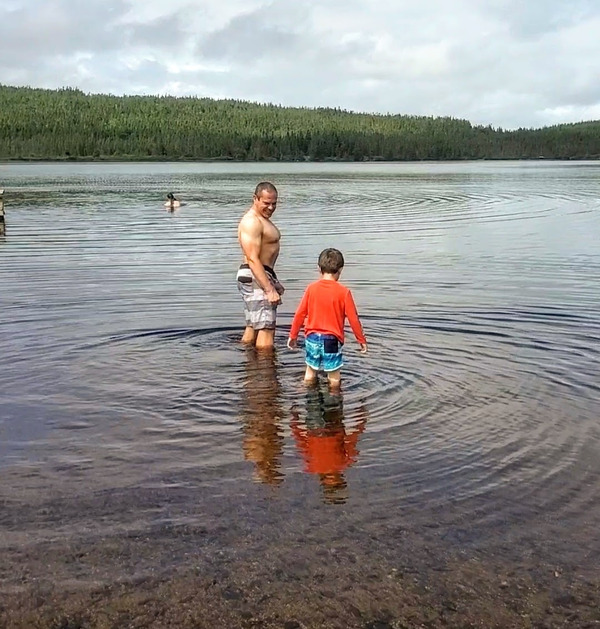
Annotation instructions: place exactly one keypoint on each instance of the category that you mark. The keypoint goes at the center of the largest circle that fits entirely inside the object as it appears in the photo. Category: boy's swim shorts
(323, 351)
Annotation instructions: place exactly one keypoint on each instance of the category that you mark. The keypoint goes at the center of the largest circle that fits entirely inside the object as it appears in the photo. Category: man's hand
(273, 296)
(363, 348)
(292, 344)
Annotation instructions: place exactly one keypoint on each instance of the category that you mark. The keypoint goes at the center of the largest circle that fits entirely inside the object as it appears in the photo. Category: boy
(325, 306)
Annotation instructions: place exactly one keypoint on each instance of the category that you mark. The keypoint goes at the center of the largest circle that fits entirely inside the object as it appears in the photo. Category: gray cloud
(253, 36)
(35, 30)
(502, 62)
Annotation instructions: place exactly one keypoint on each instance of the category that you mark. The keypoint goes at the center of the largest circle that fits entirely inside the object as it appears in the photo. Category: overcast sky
(508, 63)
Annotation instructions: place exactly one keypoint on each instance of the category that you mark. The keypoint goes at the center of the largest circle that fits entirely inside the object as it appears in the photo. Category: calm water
(472, 422)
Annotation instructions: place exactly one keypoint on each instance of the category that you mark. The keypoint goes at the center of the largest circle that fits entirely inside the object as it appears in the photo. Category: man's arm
(250, 237)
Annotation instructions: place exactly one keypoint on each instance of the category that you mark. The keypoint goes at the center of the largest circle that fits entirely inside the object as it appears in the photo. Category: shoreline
(127, 159)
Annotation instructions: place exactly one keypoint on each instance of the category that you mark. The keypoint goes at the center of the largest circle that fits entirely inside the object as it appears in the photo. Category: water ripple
(478, 291)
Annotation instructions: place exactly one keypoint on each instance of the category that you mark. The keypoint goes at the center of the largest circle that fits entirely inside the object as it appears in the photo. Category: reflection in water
(326, 447)
(482, 395)
(2, 219)
(261, 416)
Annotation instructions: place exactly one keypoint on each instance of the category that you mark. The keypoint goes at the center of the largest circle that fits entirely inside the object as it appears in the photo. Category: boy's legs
(334, 378)
(313, 353)
(310, 375)
(333, 361)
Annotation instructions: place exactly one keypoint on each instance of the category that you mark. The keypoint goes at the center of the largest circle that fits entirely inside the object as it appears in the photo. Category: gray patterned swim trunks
(259, 312)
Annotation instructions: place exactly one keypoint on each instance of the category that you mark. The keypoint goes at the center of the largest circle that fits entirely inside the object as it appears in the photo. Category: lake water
(129, 411)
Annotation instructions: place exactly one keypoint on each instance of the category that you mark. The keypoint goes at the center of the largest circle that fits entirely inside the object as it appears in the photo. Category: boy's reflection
(326, 447)
(261, 417)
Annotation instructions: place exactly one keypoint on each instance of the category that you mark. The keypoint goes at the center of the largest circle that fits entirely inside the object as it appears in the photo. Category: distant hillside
(68, 124)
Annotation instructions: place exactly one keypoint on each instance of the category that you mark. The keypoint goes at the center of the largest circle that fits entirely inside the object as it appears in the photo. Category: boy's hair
(331, 261)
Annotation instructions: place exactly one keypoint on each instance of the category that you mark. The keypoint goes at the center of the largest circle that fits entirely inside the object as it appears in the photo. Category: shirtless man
(257, 282)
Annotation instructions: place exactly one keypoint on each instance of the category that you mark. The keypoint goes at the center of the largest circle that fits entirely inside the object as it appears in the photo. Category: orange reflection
(261, 417)
(326, 447)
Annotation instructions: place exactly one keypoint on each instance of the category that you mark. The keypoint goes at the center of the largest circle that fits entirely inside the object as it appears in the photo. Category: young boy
(325, 306)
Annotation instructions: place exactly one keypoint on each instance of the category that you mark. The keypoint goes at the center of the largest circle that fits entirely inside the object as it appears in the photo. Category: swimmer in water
(172, 203)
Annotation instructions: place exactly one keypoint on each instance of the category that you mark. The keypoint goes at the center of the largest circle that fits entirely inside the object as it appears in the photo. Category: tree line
(69, 124)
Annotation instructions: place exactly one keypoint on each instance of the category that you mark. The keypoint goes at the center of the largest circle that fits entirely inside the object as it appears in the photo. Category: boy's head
(331, 261)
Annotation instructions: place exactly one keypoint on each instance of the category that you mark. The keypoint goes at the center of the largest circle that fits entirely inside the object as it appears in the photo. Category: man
(257, 282)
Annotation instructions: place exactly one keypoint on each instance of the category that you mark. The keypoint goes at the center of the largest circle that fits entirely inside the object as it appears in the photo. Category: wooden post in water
(2, 218)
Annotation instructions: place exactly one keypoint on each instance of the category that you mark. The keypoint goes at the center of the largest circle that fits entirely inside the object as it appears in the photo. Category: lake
(455, 477)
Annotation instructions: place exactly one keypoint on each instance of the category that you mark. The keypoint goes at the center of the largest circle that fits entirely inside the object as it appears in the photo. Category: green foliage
(68, 124)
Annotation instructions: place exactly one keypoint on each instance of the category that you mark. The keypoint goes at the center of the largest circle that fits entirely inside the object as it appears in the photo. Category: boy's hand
(292, 344)
(363, 348)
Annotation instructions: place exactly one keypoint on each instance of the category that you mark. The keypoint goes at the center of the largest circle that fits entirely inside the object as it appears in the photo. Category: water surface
(471, 425)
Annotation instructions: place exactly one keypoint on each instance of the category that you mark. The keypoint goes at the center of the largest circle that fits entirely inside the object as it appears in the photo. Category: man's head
(265, 199)
(331, 261)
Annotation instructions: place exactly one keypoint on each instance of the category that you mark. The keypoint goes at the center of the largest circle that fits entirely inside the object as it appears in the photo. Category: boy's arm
(354, 321)
(298, 320)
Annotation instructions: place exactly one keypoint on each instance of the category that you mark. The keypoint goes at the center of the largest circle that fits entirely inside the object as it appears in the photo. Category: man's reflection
(261, 417)
(326, 447)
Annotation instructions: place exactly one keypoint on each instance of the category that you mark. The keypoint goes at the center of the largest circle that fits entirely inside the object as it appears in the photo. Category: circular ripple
(477, 286)
(488, 404)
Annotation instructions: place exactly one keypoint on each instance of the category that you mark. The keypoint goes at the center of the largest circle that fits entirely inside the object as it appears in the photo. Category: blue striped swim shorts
(323, 351)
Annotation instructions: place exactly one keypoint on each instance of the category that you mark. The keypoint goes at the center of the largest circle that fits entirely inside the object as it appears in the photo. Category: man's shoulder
(249, 215)
(250, 221)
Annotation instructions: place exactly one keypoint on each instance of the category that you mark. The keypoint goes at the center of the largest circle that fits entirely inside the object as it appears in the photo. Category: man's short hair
(331, 261)
(264, 186)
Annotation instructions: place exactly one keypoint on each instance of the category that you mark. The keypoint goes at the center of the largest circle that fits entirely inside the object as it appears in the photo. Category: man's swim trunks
(259, 312)
(323, 351)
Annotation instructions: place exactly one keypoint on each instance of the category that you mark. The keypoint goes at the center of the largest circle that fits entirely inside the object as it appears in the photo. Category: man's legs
(260, 321)
(265, 338)
(260, 314)
(249, 335)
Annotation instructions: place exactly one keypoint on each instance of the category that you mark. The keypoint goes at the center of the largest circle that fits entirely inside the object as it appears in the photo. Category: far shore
(131, 158)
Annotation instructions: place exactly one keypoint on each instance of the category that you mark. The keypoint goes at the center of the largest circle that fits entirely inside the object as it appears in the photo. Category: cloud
(502, 62)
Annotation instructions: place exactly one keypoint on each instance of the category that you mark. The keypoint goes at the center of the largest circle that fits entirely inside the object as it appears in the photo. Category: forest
(67, 124)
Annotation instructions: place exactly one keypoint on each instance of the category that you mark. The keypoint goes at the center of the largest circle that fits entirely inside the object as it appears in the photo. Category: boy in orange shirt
(325, 306)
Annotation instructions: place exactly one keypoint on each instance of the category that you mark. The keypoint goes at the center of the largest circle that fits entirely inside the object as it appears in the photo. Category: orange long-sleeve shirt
(326, 453)
(325, 306)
